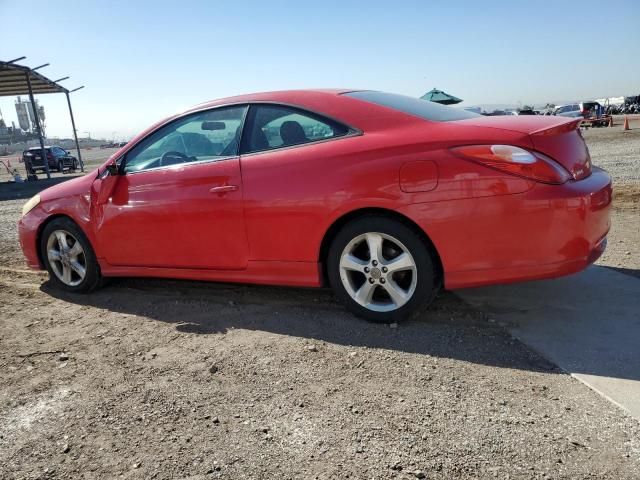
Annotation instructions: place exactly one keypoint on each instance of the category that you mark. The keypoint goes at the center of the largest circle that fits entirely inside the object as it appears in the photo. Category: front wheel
(69, 257)
(381, 269)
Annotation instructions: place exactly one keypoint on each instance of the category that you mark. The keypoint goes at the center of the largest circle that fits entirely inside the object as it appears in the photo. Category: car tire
(68, 256)
(397, 282)
(75, 165)
(60, 166)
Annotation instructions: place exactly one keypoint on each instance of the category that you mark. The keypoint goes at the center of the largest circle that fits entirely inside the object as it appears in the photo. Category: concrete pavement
(588, 324)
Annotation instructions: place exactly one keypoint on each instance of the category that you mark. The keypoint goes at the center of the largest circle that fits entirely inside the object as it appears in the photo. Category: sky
(141, 61)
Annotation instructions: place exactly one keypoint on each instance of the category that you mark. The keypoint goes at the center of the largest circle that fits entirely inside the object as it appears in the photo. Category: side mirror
(112, 169)
(67, 152)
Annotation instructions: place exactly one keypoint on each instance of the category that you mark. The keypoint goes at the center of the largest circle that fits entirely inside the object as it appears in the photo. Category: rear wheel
(69, 257)
(381, 269)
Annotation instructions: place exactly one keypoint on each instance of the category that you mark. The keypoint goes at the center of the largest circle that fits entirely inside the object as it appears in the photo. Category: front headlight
(31, 204)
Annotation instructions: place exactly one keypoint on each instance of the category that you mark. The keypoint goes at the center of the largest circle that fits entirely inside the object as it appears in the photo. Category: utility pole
(36, 117)
(75, 134)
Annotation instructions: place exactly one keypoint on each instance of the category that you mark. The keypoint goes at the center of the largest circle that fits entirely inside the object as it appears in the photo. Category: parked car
(583, 110)
(385, 198)
(58, 159)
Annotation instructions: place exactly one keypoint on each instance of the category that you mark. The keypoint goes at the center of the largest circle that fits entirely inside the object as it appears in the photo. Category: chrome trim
(323, 140)
(185, 164)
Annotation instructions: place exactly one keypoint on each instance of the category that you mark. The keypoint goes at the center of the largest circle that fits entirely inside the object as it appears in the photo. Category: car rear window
(413, 106)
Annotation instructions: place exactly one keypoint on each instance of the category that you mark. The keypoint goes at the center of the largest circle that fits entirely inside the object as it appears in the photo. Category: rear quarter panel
(292, 196)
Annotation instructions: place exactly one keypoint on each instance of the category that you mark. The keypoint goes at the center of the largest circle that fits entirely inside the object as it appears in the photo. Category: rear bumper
(53, 164)
(548, 231)
(477, 278)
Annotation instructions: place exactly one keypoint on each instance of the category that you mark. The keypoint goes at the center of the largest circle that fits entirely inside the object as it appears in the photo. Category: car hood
(69, 188)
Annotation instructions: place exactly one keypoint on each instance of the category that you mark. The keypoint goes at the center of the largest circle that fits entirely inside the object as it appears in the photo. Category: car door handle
(224, 189)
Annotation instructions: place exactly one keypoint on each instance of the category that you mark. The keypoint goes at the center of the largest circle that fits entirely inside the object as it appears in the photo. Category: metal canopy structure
(21, 80)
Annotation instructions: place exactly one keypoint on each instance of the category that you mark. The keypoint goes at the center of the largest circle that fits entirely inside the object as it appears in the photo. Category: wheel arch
(335, 227)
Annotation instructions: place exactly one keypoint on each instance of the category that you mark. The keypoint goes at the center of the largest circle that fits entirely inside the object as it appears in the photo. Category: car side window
(275, 126)
(208, 135)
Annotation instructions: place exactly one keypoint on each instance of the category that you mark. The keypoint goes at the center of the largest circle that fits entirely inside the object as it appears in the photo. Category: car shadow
(587, 323)
(634, 272)
(449, 328)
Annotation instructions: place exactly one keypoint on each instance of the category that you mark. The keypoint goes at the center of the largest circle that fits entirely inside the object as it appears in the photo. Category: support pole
(75, 134)
(36, 117)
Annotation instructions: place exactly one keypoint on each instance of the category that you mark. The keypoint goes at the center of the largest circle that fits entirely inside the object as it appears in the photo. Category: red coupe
(384, 197)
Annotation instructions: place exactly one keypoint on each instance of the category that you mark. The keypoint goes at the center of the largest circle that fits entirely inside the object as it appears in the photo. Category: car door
(60, 155)
(292, 168)
(177, 202)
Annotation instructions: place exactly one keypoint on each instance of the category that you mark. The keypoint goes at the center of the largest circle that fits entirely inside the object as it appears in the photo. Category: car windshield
(417, 107)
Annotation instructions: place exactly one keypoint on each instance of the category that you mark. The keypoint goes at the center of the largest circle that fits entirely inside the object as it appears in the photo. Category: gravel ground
(617, 151)
(157, 379)
(623, 247)
(169, 379)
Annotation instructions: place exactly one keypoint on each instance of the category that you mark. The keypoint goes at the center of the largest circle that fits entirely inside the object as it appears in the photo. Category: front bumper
(28, 227)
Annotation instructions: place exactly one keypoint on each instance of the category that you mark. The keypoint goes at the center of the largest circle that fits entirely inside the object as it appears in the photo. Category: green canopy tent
(439, 96)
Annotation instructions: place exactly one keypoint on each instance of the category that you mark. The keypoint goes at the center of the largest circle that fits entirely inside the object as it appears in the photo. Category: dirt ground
(171, 379)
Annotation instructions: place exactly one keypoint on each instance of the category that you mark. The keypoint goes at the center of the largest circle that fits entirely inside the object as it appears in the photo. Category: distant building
(23, 115)
(26, 117)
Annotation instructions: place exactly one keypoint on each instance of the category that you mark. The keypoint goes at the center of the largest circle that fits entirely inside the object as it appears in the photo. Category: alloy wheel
(66, 257)
(378, 272)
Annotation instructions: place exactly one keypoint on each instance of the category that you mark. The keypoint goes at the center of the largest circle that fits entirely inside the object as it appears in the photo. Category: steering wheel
(171, 158)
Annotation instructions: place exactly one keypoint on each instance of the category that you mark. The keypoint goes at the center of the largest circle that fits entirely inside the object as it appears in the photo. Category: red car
(384, 197)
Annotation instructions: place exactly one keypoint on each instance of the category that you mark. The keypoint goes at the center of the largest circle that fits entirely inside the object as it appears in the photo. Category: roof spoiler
(568, 126)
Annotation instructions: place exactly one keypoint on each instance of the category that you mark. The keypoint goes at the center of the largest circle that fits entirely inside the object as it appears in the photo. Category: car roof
(38, 148)
(279, 96)
(328, 102)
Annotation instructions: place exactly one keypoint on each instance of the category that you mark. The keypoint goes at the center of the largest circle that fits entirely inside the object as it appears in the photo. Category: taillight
(516, 161)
